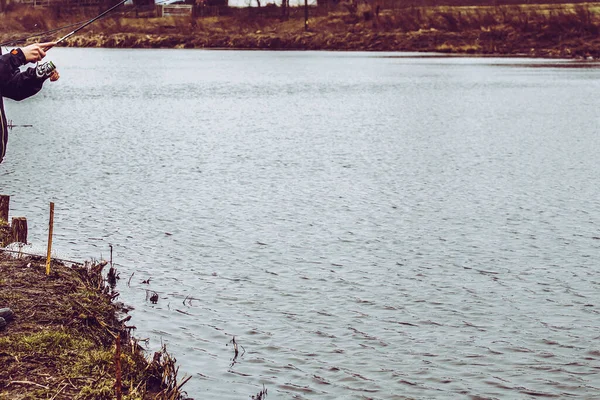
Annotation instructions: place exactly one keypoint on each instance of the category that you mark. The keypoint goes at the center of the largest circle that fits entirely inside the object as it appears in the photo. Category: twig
(59, 392)
(73, 386)
(183, 382)
(29, 383)
(129, 281)
(261, 395)
(236, 352)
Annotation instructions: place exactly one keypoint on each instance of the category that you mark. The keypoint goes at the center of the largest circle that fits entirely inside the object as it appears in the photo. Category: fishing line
(40, 34)
(91, 21)
(81, 25)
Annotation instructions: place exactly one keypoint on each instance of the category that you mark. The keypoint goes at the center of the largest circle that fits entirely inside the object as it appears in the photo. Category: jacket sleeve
(10, 63)
(15, 84)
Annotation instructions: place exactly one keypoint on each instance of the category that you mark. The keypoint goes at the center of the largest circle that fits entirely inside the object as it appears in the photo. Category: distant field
(26, 19)
(549, 29)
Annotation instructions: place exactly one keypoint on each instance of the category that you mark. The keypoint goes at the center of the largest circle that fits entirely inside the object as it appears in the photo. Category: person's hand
(35, 52)
(55, 75)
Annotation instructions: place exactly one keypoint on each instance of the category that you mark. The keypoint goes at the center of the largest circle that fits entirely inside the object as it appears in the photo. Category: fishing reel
(45, 69)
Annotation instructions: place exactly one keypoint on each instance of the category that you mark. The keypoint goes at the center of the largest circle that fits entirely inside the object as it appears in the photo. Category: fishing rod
(80, 25)
(90, 21)
(39, 34)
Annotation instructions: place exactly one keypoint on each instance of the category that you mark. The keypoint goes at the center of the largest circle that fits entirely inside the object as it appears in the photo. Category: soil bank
(70, 339)
(536, 30)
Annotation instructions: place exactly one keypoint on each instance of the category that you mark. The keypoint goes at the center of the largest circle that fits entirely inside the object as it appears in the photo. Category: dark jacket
(15, 85)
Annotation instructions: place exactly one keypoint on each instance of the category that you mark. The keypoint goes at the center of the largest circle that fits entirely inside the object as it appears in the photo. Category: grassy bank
(557, 30)
(63, 342)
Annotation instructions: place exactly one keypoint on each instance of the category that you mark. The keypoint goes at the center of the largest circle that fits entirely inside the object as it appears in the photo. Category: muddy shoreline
(70, 338)
(562, 30)
(465, 43)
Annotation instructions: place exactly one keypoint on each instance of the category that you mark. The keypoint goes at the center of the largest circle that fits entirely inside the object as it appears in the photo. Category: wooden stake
(4, 202)
(50, 229)
(118, 367)
(306, 15)
(19, 230)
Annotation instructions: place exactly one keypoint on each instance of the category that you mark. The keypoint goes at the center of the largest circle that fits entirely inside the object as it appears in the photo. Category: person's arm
(22, 85)
(10, 63)
(18, 85)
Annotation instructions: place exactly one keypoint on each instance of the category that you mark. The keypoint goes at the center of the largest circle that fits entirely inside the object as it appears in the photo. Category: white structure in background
(176, 10)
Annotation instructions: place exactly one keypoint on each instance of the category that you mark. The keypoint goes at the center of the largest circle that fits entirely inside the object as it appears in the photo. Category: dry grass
(549, 30)
(62, 343)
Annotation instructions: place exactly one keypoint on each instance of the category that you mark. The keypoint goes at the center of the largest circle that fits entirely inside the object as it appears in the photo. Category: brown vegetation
(63, 342)
(567, 30)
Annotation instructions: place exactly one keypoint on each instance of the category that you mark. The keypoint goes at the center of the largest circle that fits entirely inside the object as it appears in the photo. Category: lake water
(366, 225)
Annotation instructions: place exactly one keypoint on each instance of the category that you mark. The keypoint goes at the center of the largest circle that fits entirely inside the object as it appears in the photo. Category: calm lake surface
(366, 225)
